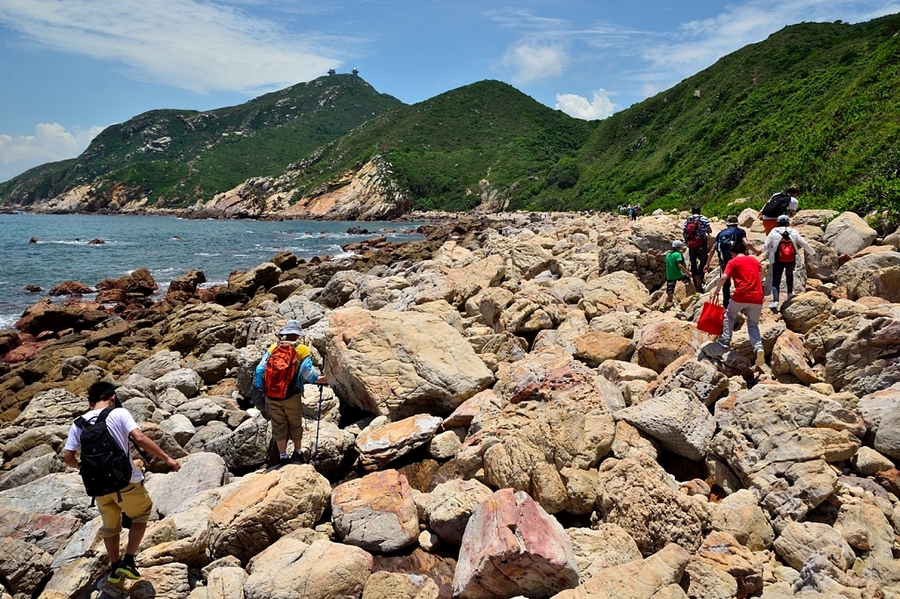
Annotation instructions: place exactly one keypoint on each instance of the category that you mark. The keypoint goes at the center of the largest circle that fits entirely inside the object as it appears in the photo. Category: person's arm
(722, 281)
(147, 444)
(69, 459)
(712, 250)
(308, 372)
(260, 371)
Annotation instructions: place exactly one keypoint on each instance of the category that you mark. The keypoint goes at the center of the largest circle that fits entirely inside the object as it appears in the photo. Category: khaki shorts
(286, 416)
(133, 500)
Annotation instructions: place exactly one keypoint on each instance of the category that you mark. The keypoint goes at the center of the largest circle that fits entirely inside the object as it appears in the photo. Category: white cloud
(532, 61)
(190, 44)
(50, 142)
(698, 44)
(579, 107)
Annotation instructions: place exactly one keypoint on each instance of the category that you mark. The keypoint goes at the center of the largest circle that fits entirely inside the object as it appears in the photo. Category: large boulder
(633, 494)
(860, 275)
(201, 472)
(139, 281)
(848, 233)
(401, 363)
(664, 341)
(375, 512)
(265, 508)
(513, 547)
(556, 417)
(678, 420)
(450, 505)
(614, 291)
(770, 439)
(292, 568)
(382, 444)
(863, 363)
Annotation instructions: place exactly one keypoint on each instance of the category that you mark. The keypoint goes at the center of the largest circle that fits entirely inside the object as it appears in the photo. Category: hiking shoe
(128, 570)
(760, 357)
(296, 458)
(726, 343)
(773, 306)
(114, 577)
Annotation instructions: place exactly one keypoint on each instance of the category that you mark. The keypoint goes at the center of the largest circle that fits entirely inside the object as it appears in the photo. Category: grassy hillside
(442, 148)
(815, 104)
(175, 157)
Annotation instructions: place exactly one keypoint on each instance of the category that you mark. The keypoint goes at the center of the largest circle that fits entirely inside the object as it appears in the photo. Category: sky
(70, 68)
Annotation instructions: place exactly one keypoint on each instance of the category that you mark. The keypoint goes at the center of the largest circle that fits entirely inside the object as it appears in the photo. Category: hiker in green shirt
(676, 271)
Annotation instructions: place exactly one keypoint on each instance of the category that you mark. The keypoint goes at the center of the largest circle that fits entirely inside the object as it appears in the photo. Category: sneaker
(726, 343)
(114, 576)
(773, 306)
(128, 570)
(296, 458)
(760, 357)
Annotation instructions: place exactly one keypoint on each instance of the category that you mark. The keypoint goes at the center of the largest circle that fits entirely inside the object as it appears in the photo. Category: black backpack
(777, 205)
(723, 246)
(105, 467)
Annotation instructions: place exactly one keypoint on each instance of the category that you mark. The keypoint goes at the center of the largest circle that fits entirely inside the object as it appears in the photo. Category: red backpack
(786, 251)
(694, 232)
(279, 378)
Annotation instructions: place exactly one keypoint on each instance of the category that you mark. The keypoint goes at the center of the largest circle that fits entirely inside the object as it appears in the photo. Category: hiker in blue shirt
(722, 246)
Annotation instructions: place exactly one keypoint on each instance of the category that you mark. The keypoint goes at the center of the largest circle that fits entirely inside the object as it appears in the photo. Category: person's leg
(293, 407)
(789, 278)
(752, 312)
(726, 293)
(696, 270)
(777, 269)
(728, 323)
(278, 418)
(135, 536)
(769, 224)
(112, 548)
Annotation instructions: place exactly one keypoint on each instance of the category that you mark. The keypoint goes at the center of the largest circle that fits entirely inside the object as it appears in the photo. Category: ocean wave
(207, 255)
(8, 320)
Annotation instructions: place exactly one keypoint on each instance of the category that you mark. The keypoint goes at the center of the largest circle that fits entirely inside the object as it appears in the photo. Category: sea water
(167, 246)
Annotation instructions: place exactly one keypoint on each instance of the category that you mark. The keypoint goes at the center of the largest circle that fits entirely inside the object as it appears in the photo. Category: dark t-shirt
(737, 234)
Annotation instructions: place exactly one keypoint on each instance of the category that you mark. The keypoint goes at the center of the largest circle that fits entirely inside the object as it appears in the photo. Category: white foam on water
(8, 320)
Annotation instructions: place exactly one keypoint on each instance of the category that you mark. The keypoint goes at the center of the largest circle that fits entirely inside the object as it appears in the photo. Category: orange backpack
(279, 378)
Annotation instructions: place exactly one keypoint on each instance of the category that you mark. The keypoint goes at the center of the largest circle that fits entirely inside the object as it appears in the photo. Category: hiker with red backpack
(281, 374)
(696, 231)
(109, 474)
(782, 245)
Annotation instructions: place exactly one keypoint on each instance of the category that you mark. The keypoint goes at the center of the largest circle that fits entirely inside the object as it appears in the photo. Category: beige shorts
(286, 416)
(133, 500)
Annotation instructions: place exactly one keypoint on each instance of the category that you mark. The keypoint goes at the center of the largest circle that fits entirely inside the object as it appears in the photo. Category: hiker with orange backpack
(782, 245)
(281, 374)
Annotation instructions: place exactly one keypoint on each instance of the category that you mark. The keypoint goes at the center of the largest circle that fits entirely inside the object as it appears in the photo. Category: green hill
(175, 157)
(440, 150)
(815, 104)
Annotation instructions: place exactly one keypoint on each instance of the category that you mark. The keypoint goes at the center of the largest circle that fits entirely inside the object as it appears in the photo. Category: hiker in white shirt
(776, 256)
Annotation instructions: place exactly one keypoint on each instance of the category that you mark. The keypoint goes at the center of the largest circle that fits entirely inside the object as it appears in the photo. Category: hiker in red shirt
(746, 272)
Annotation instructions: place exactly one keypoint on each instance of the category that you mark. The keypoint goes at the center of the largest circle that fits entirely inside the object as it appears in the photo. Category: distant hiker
(722, 247)
(696, 230)
(635, 210)
(675, 271)
(782, 245)
(280, 374)
(781, 203)
(109, 474)
(746, 271)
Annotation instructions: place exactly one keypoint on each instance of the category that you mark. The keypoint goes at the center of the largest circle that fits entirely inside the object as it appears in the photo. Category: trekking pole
(318, 421)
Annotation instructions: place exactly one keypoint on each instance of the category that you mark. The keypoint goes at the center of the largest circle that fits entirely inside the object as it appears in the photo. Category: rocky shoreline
(509, 415)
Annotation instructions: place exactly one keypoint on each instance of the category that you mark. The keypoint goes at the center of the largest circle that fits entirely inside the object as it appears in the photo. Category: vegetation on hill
(174, 157)
(815, 104)
(442, 149)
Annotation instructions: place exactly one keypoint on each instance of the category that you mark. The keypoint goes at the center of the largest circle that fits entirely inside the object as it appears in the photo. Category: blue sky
(69, 68)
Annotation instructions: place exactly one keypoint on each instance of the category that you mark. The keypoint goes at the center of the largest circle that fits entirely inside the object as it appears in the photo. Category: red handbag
(711, 318)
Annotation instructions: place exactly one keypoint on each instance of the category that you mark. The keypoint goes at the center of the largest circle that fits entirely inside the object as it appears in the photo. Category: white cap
(292, 327)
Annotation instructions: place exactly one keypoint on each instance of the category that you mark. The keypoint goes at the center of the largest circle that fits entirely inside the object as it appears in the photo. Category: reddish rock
(32, 288)
(108, 296)
(49, 532)
(108, 284)
(140, 281)
(889, 479)
(23, 352)
(96, 241)
(513, 547)
(71, 288)
(47, 316)
(208, 294)
(187, 283)
(33, 240)
(285, 260)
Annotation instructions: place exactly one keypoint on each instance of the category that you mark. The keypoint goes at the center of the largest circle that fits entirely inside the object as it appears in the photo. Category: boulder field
(509, 415)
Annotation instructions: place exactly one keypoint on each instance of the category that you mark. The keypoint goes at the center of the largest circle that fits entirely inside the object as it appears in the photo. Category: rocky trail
(508, 415)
